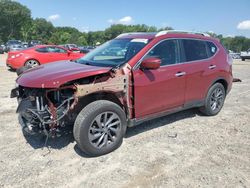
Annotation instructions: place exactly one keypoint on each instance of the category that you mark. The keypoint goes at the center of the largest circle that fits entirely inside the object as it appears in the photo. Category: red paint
(151, 63)
(55, 74)
(41, 57)
(154, 90)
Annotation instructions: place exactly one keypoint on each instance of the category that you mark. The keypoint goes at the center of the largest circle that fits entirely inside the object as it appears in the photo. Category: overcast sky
(227, 17)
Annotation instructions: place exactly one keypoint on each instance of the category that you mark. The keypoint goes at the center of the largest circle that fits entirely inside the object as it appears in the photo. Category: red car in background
(38, 55)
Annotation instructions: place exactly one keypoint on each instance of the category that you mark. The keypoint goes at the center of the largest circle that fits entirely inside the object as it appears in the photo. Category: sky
(227, 17)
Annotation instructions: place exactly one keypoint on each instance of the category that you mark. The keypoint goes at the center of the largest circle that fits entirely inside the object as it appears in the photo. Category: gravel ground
(185, 149)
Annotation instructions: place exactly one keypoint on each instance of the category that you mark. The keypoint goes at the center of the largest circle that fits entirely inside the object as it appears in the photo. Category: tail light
(16, 55)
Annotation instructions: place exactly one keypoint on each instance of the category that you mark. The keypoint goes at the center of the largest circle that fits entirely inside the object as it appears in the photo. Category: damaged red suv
(128, 80)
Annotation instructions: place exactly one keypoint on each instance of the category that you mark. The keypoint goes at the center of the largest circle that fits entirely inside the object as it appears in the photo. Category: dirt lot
(181, 150)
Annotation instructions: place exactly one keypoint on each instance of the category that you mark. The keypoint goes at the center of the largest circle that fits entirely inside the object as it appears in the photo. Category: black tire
(86, 126)
(214, 104)
(242, 59)
(22, 70)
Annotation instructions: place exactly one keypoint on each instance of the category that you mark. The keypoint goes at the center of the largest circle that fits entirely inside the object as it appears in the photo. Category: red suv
(126, 81)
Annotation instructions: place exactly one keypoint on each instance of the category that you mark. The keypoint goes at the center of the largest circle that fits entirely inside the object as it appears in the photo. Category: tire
(242, 59)
(214, 100)
(91, 137)
(21, 70)
(31, 63)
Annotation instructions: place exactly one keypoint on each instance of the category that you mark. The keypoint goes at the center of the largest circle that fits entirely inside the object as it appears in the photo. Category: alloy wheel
(216, 100)
(31, 63)
(104, 129)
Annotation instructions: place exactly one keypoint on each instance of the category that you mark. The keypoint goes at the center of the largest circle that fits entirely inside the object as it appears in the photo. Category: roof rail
(133, 33)
(180, 31)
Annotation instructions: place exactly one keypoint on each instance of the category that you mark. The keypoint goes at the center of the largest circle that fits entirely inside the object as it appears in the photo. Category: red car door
(41, 54)
(161, 89)
(199, 68)
(75, 55)
(58, 54)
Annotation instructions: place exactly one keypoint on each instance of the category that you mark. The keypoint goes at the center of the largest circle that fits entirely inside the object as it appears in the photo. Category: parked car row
(75, 48)
(86, 49)
(15, 45)
(2, 49)
(234, 55)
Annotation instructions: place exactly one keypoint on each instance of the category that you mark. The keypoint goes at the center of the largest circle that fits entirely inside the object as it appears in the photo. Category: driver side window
(167, 51)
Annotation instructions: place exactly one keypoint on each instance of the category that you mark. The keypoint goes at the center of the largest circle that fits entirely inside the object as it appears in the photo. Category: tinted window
(194, 49)
(212, 49)
(167, 51)
(55, 50)
(60, 50)
(42, 50)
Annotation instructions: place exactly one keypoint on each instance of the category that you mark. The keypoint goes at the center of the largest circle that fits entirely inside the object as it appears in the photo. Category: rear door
(198, 67)
(57, 54)
(161, 89)
(41, 54)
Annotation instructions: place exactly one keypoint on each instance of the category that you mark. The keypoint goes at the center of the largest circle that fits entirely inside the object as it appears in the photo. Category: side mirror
(151, 63)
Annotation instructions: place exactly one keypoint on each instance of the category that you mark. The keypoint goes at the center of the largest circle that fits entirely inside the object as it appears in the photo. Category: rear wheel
(31, 63)
(99, 128)
(214, 100)
(242, 59)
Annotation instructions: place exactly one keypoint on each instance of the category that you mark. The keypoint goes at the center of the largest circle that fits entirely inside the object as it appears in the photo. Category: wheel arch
(221, 80)
(103, 95)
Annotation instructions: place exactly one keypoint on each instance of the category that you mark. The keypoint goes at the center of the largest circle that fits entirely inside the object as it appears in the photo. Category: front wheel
(214, 100)
(99, 128)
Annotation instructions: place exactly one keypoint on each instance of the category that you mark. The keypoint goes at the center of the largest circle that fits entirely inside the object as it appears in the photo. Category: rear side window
(212, 49)
(52, 49)
(195, 49)
(42, 50)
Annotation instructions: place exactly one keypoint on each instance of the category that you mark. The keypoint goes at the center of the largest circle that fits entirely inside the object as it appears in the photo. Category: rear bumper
(13, 63)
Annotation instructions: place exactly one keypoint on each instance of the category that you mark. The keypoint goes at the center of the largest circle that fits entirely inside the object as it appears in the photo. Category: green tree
(82, 41)
(26, 30)
(13, 16)
(41, 29)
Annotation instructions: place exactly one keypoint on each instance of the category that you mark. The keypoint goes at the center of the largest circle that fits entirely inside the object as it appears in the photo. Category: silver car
(16, 47)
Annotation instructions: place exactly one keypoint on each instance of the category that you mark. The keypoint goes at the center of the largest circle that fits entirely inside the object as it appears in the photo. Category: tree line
(16, 23)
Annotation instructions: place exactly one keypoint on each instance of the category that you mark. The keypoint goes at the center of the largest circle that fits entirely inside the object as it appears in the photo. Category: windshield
(114, 53)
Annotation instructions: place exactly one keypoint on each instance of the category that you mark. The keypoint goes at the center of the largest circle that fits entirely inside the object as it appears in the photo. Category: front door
(161, 89)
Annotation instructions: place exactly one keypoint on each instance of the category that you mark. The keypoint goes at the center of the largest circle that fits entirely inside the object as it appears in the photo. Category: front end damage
(45, 110)
(48, 110)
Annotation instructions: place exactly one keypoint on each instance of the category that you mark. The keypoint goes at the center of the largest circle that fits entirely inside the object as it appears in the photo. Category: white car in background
(234, 55)
(245, 55)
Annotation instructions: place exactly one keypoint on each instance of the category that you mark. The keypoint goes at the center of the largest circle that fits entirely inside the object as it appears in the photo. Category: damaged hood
(53, 75)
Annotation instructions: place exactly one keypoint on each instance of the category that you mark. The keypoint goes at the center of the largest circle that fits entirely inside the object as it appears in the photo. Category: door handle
(212, 67)
(179, 74)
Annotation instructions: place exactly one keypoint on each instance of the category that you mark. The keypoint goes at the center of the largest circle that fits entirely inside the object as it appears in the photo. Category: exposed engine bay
(46, 111)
